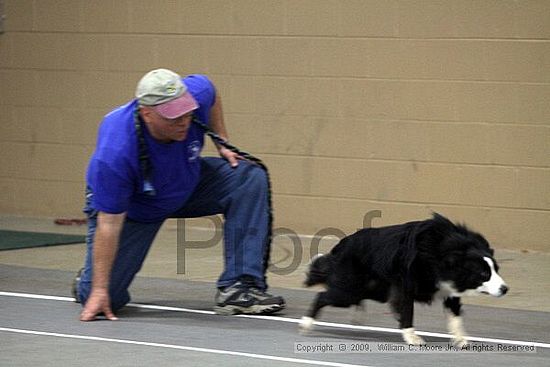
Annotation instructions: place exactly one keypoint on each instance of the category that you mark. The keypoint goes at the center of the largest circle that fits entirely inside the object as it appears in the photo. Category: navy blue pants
(240, 194)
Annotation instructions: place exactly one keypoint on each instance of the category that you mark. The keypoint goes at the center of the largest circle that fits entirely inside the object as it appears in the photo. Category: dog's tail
(318, 271)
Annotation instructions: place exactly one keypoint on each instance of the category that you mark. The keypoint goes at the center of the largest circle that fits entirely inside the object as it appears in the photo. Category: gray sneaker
(241, 298)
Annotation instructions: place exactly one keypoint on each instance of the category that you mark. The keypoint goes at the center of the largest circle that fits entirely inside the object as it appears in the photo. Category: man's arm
(106, 240)
(218, 125)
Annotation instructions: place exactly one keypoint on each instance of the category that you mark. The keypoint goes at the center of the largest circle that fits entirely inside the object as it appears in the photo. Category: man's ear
(145, 113)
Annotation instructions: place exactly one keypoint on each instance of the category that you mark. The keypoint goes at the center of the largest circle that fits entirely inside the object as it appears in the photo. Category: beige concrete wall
(403, 106)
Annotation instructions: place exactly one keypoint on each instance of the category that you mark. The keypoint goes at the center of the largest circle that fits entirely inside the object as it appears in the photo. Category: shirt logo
(194, 150)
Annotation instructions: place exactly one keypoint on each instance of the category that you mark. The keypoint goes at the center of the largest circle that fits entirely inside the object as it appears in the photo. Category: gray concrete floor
(527, 273)
(46, 331)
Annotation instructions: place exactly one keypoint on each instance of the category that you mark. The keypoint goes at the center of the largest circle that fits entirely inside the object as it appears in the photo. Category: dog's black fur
(405, 263)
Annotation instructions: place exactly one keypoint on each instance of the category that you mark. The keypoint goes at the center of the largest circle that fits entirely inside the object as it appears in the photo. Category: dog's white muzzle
(495, 286)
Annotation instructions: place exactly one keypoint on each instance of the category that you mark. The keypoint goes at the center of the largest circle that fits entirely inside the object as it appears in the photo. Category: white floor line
(182, 347)
(292, 320)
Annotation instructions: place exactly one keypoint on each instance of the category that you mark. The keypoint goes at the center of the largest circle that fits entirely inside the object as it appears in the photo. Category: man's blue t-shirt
(114, 174)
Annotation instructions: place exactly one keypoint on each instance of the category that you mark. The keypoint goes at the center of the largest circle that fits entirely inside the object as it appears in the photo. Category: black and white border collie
(400, 264)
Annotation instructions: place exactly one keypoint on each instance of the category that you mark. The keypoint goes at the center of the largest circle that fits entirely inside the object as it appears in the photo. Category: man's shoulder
(124, 112)
(116, 135)
(201, 87)
(198, 80)
(118, 123)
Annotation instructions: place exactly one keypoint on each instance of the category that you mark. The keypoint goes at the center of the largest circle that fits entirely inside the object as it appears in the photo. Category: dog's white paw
(460, 342)
(306, 324)
(410, 337)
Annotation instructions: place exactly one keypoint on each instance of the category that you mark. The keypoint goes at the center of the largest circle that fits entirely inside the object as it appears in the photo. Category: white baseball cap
(165, 92)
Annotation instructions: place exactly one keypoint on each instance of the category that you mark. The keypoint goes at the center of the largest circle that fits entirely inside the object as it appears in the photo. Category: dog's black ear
(440, 219)
(442, 225)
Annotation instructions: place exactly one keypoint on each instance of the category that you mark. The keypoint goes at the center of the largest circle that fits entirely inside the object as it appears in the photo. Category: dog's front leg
(454, 321)
(406, 320)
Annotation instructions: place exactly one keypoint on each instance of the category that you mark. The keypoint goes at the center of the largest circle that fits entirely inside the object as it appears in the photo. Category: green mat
(11, 240)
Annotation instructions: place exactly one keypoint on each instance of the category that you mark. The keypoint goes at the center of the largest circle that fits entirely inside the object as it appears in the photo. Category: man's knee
(257, 177)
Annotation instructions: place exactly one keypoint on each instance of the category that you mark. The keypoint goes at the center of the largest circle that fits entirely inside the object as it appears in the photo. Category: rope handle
(226, 144)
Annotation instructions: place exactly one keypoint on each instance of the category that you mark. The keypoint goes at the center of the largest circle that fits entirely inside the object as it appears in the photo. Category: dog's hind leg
(358, 313)
(455, 326)
(322, 300)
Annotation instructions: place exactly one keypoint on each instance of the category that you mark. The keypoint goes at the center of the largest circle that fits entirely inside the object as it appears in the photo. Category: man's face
(163, 129)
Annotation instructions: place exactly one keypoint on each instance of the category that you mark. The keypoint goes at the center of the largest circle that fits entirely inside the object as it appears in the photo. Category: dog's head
(467, 265)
